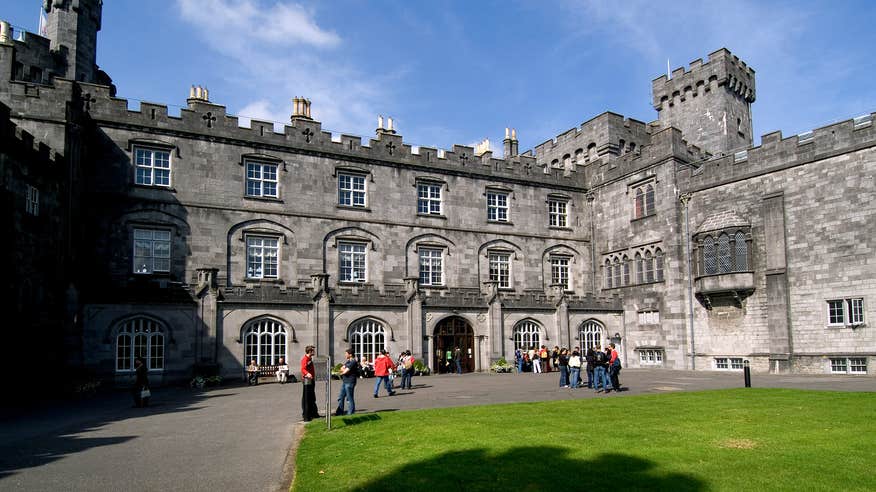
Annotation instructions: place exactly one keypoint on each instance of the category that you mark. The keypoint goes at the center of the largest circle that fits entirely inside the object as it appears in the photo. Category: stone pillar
(321, 320)
(558, 294)
(414, 317)
(494, 320)
(207, 292)
(777, 283)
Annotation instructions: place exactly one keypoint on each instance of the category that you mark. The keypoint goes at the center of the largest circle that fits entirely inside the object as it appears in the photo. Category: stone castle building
(200, 244)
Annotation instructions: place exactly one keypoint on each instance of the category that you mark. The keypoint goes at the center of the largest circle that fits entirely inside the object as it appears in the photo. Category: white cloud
(266, 75)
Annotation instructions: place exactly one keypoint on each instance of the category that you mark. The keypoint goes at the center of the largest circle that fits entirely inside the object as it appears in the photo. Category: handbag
(145, 393)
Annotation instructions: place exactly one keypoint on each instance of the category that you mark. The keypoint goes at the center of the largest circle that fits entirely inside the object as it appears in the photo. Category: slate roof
(723, 220)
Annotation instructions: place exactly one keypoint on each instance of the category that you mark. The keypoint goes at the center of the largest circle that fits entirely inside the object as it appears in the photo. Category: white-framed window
(151, 251)
(527, 335)
(651, 317)
(644, 200)
(848, 311)
(152, 167)
(351, 260)
(651, 357)
(560, 271)
(591, 334)
(500, 269)
(428, 199)
(140, 337)
(848, 365)
(728, 363)
(265, 341)
(497, 206)
(431, 266)
(32, 201)
(368, 338)
(262, 257)
(351, 190)
(558, 213)
(261, 179)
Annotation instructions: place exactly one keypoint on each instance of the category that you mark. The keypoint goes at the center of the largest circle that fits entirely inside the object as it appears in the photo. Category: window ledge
(432, 216)
(252, 280)
(433, 287)
(646, 216)
(351, 207)
(348, 283)
(500, 222)
(263, 198)
(155, 187)
(853, 326)
(559, 228)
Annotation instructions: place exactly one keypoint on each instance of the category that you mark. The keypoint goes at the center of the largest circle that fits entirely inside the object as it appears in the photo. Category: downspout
(590, 200)
(685, 199)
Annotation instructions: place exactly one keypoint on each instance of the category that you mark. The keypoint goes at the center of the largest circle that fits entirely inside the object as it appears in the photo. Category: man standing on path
(349, 376)
(600, 379)
(382, 367)
(308, 386)
(457, 359)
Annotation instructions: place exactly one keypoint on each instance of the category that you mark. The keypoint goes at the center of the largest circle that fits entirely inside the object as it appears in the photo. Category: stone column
(206, 336)
(415, 330)
(494, 320)
(321, 315)
(777, 283)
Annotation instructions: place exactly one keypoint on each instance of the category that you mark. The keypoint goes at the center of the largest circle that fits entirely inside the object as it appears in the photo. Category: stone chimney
(389, 128)
(301, 108)
(198, 93)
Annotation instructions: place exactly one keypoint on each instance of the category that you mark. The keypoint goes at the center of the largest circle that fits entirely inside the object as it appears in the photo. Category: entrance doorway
(451, 333)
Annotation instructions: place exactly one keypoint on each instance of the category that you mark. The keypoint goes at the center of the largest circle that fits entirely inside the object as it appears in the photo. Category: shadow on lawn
(535, 468)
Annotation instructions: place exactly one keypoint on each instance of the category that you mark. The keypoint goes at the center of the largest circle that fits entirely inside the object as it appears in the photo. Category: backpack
(617, 363)
(409, 363)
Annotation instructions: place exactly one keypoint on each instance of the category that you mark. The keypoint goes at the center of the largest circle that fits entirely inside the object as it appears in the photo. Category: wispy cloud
(278, 52)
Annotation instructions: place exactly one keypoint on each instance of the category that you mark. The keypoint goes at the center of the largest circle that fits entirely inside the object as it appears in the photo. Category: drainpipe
(685, 199)
(590, 199)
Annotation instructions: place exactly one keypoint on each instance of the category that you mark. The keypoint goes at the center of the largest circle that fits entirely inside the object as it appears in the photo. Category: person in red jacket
(383, 365)
(308, 385)
(614, 367)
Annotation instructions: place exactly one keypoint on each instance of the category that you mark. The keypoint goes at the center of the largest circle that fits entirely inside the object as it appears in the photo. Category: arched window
(741, 249)
(649, 267)
(620, 147)
(527, 334)
(140, 337)
(567, 161)
(649, 199)
(626, 266)
(590, 334)
(640, 269)
(725, 259)
(658, 265)
(710, 261)
(640, 203)
(265, 341)
(368, 338)
(607, 274)
(579, 156)
(617, 273)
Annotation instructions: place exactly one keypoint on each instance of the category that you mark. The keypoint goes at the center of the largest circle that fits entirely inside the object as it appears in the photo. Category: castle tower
(72, 27)
(710, 103)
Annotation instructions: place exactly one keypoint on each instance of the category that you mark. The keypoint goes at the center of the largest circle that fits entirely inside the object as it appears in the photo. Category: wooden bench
(270, 373)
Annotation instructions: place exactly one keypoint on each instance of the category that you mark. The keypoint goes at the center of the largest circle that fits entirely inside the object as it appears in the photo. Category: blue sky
(461, 71)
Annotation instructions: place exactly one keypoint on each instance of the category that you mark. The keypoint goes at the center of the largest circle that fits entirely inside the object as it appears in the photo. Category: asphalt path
(239, 437)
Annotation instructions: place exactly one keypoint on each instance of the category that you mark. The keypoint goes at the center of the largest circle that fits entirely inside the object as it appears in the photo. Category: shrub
(420, 368)
(501, 365)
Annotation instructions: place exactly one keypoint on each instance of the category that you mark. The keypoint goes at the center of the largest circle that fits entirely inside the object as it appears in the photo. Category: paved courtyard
(237, 437)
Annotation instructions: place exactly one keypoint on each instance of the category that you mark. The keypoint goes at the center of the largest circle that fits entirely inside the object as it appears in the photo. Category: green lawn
(749, 439)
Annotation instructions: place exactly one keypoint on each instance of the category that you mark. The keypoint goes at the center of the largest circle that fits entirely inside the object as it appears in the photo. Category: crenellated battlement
(722, 69)
(202, 119)
(776, 152)
(606, 136)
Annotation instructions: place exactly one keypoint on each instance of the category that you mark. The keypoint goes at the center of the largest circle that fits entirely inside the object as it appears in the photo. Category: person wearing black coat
(141, 383)
(591, 364)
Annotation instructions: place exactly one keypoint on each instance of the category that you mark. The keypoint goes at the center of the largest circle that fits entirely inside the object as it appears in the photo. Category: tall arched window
(368, 338)
(617, 273)
(265, 341)
(640, 269)
(527, 334)
(607, 274)
(710, 261)
(658, 265)
(140, 337)
(626, 266)
(725, 258)
(649, 267)
(590, 334)
(741, 252)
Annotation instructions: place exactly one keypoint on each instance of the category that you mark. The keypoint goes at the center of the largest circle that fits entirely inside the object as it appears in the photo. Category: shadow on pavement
(528, 469)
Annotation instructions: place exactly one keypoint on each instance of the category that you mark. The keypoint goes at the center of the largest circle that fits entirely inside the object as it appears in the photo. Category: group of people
(602, 367)
(383, 367)
(282, 372)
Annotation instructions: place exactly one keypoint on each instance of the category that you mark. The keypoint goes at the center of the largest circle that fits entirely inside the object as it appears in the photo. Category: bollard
(746, 370)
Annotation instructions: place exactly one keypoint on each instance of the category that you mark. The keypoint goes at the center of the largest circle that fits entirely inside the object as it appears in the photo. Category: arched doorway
(451, 333)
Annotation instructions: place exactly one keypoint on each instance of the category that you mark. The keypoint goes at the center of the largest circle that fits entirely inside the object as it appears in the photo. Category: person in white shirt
(282, 371)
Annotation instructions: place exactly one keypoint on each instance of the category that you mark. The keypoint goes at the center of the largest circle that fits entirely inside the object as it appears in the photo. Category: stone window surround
(511, 256)
(847, 365)
(431, 181)
(570, 260)
(347, 170)
(150, 144)
(561, 198)
(442, 249)
(698, 249)
(641, 185)
(129, 329)
(731, 363)
(340, 242)
(509, 196)
(279, 265)
(847, 303)
(32, 200)
(262, 159)
(651, 356)
(624, 261)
